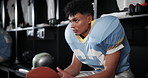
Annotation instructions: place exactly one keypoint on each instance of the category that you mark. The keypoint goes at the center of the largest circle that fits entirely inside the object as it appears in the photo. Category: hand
(63, 74)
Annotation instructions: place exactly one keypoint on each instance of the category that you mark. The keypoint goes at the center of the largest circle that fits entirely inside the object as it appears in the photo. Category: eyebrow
(74, 18)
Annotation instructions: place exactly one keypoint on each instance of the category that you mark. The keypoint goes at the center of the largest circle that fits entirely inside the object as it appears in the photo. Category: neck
(84, 34)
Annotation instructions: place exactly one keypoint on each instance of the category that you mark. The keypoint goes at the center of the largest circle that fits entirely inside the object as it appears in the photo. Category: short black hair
(79, 6)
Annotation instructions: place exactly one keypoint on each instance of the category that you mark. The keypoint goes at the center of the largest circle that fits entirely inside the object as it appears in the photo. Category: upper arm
(111, 62)
(110, 65)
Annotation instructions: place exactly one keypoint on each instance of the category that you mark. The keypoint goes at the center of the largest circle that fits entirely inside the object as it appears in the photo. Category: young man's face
(80, 23)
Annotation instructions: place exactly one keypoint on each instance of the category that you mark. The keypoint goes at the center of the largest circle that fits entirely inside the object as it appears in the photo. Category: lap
(125, 74)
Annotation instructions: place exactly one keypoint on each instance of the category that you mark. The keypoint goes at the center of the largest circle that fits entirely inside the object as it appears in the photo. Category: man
(100, 43)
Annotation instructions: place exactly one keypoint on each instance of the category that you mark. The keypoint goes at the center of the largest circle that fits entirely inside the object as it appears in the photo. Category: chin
(77, 34)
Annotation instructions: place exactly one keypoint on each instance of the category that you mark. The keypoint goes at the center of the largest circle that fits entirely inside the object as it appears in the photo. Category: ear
(90, 18)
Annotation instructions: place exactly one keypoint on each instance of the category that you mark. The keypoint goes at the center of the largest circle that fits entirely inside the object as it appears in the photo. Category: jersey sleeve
(113, 42)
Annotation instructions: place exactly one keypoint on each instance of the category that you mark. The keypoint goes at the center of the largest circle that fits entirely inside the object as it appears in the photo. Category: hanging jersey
(105, 37)
(5, 44)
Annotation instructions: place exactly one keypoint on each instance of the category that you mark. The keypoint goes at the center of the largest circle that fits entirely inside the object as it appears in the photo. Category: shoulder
(68, 29)
(104, 26)
(107, 22)
(107, 19)
(69, 35)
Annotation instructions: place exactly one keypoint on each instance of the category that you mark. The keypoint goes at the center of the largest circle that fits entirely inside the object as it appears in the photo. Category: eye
(76, 20)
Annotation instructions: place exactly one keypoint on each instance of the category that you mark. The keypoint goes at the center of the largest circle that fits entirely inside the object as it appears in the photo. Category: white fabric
(85, 73)
(11, 9)
(51, 9)
(27, 11)
(125, 74)
(125, 3)
(115, 49)
(116, 14)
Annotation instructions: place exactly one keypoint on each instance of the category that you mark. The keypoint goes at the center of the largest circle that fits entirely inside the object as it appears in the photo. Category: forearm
(75, 67)
(73, 70)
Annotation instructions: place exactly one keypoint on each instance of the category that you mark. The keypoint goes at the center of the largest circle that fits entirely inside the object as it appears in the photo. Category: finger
(60, 70)
(60, 74)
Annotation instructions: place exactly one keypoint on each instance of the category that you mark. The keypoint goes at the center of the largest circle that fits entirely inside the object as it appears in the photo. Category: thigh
(125, 74)
(85, 73)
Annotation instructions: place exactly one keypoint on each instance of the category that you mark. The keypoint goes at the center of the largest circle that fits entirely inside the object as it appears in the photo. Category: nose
(72, 25)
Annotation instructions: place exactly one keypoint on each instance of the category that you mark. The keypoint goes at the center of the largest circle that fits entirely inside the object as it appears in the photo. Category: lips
(74, 31)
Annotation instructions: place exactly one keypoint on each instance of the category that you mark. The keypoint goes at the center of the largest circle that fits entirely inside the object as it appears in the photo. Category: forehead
(76, 16)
